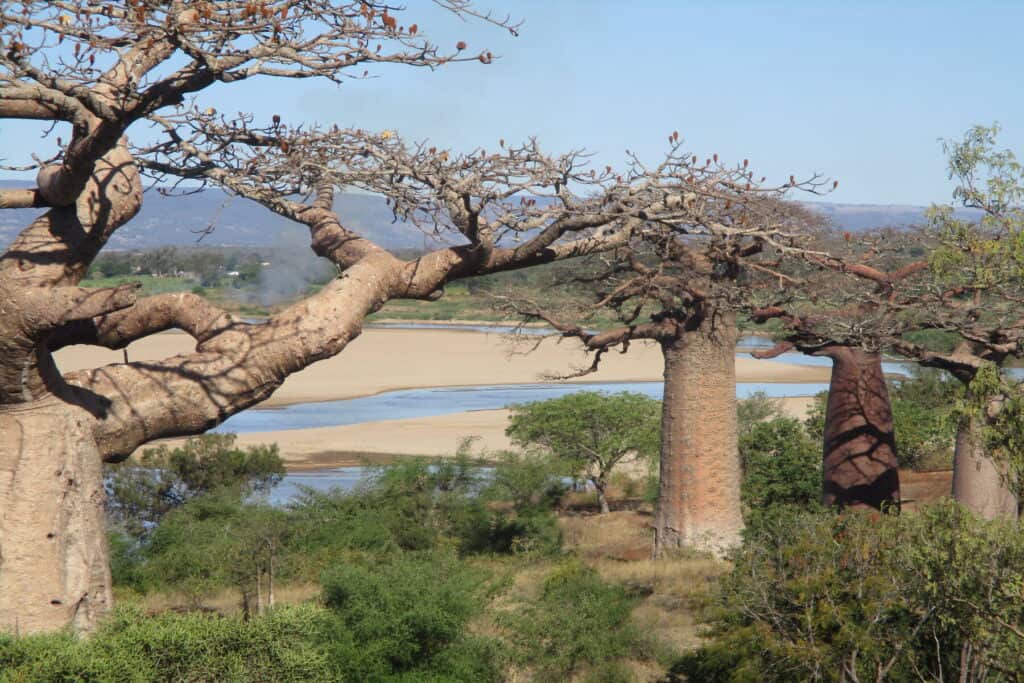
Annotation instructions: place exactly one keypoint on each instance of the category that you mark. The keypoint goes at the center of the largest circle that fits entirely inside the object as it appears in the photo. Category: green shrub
(578, 623)
(141, 493)
(406, 618)
(933, 595)
(215, 542)
(133, 647)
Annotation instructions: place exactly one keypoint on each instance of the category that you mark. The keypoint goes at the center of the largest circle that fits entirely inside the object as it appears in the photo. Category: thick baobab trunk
(859, 466)
(53, 547)
(699, 489)
(978, 483)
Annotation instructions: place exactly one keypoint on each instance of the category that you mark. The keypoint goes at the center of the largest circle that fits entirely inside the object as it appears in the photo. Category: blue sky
(860, 91)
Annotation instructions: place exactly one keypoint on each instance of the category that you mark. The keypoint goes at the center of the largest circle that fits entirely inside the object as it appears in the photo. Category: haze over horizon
(858, 92)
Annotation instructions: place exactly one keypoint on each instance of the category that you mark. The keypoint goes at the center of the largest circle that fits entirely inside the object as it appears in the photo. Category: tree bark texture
(978, 483)
(699, 486)
(53, 547)
(859, 466)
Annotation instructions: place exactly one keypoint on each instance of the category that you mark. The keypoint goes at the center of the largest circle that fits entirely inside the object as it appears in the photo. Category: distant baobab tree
(679, 282)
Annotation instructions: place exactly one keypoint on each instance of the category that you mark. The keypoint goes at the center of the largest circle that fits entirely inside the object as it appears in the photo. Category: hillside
(178, 221)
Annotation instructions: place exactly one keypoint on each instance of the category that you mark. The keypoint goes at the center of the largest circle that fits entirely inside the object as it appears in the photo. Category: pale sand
(424, 436)
(391, 359)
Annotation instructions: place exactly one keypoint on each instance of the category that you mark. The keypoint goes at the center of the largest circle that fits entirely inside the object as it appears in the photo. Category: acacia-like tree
(679, 282)
(99, 69)
(590, 432)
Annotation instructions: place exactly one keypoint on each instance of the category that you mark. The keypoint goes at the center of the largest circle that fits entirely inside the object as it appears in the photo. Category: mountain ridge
(177, 221)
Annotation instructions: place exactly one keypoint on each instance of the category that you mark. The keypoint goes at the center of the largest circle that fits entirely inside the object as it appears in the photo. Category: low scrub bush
(578, 624)
(407, 619)
(133, 647)
(933, 595)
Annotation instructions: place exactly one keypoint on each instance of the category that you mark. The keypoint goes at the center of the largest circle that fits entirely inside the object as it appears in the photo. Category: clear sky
(860, 91)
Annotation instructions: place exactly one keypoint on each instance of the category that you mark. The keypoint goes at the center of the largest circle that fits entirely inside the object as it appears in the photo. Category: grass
(150, 284)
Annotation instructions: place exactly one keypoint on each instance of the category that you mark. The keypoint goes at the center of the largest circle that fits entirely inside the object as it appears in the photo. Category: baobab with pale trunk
(98, 72)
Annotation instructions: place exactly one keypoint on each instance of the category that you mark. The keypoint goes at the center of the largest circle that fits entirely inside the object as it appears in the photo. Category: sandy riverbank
(426, 436)
(391, 359)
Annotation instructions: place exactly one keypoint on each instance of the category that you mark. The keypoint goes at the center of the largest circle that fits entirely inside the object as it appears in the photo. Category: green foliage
(133, 647)
(939, 341)
(140, 494)
(754, 409)
(781, 470)
(933, 595)
(588, 425)
(985, 254)
(923, 417)
(421, 505)
(590, 431)
(406, 619)
(578, 622)
(526, 481)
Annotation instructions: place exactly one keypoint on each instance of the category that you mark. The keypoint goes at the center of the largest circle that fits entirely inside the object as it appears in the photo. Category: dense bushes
(133, 647)
(219, 539)
(405, 593)
(930, 596)
(404, 619)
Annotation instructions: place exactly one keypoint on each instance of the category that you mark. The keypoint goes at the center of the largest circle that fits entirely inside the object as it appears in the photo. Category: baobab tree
(960, 276)
(836, 310)
(977, 270)
(679, 282)
(97, 70)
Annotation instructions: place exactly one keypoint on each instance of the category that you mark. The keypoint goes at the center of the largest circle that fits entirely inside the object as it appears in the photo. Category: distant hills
(239, 222)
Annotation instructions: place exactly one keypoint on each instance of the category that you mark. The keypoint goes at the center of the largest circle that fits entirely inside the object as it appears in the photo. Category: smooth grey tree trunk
(978, 483)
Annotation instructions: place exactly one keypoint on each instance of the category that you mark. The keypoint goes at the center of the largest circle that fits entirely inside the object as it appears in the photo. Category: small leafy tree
(141, 493)
(590, 431)
(216, 542)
